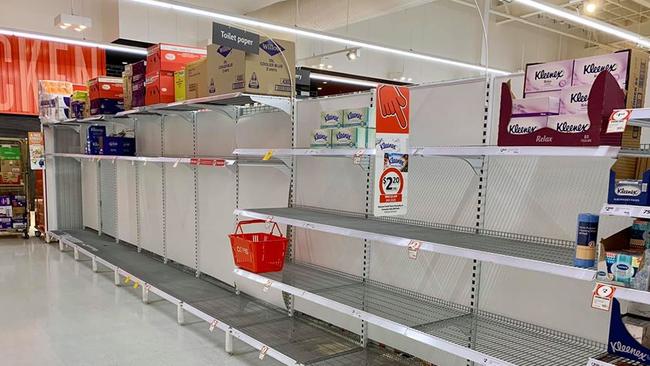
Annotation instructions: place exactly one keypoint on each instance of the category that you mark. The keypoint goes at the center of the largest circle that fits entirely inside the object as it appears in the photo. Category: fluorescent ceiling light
(316, 35)
(76, 42)
(591, 23)
(343, 80)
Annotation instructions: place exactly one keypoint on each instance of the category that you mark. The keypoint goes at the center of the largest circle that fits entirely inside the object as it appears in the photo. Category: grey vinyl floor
(56, 311)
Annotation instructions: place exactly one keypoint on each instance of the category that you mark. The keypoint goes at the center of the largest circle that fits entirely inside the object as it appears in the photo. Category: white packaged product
(526, 125)
(321, 138)
(355, 117)
(569, 123)
(574, 100)
(331, 119)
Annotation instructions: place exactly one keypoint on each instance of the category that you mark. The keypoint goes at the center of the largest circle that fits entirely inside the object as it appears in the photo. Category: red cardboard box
(10, 178)
(104, 87)
(159, 87)
(169, 57)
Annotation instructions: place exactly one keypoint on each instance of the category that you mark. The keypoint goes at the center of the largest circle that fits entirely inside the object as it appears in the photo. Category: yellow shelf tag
(268, 155)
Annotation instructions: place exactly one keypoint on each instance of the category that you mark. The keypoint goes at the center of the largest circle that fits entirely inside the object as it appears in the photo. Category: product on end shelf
(638, 233)
(160, 88)
(628, 190)
(6, 223)
(10, 166)
(105, 87)
(638, 327)
(355, 117)
(19, 201)
(169, 57)
(586, 237)
(548, 76)
(619, 262)
(6, 211)
(331, 119)
(5, 200)
(571, 124)
(352, 137)
(179, 85)
(574, 100)
(321, 138)
(535, 106)
(586, 69)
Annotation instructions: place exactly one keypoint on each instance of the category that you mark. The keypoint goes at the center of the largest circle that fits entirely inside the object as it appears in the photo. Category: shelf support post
(180, 316)
(229, 342)
(145, 293)
(116, 276)
(164, 190)
(76, 253)
(195, 175)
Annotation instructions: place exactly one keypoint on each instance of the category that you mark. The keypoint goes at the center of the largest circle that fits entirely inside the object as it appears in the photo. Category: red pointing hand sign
(393, 111)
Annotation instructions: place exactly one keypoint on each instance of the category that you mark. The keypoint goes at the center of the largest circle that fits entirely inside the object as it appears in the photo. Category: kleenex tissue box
(332, 119)
(321, 138)
(352, 137)
(355, 117)
(536, 106)
(574, 100)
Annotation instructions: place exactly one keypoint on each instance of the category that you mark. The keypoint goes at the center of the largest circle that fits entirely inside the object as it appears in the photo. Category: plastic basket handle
(257, 221)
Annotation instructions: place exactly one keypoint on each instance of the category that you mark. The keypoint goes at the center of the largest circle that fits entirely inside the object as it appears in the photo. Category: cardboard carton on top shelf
(169, 57)
(160, 88)
(127, 80)
(104, 87)
(179, 85)
(227, 70)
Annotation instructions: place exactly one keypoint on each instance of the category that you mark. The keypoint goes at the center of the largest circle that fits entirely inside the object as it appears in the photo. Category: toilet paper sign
(392, 117)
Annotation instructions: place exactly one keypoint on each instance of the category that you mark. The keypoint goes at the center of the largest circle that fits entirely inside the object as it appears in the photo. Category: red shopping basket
(258, 252)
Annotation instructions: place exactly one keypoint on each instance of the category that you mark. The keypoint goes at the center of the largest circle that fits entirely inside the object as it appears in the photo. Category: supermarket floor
(56, 311)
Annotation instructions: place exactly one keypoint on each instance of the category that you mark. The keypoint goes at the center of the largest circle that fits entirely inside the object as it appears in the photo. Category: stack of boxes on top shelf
(347, 128)
(163, 61)
(106, 95)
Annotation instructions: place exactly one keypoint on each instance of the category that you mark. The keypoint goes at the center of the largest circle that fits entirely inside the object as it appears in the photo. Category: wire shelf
(515, 250)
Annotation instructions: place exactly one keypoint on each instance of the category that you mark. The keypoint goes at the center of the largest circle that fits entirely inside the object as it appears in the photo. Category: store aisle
(55, 311)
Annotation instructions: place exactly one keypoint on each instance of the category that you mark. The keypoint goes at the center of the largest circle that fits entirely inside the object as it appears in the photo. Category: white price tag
(413, 248)
(602, 296)
(263, 352)
(213, 325)
(147, 287)
(267, 285)
(595, 362)
(268, 220)
(509, 151)
(608, 210)
(357, 157)
(618, 120)
(643, 212)
(176, 163)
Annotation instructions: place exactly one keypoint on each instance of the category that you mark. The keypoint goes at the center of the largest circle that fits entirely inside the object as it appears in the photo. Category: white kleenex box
(586, 69)
(574, 100)
(331, 119)
(526, 125)
(355, 117)
(352, 137)
(548, 76)
(540, 106)
(569, 123)
(321, 138)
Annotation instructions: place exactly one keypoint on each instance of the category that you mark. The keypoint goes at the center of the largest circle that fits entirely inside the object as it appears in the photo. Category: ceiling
(232, 6)
(629, 14)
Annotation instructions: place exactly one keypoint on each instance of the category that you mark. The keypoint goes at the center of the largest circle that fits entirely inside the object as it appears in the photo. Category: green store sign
(8, 152)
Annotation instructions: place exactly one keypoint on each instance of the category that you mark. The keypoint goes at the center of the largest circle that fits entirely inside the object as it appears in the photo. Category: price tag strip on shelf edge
(602, 296)
(392, 117)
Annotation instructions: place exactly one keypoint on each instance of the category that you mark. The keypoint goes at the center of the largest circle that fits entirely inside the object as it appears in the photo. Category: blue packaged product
(117, 145)
(95, 140)
(586, 237)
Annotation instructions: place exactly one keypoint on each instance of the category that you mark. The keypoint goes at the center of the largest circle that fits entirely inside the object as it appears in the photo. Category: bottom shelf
(494, 339)
(297, 340)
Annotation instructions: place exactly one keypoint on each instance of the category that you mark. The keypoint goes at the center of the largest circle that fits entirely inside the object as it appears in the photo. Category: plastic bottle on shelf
(586, 236)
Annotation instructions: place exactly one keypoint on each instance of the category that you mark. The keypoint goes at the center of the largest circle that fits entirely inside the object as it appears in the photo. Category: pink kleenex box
(574, 100)
(536, 106)
(548, 76)
(586, 69)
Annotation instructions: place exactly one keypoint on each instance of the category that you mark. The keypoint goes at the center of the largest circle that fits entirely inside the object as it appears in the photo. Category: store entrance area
(57, 312)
